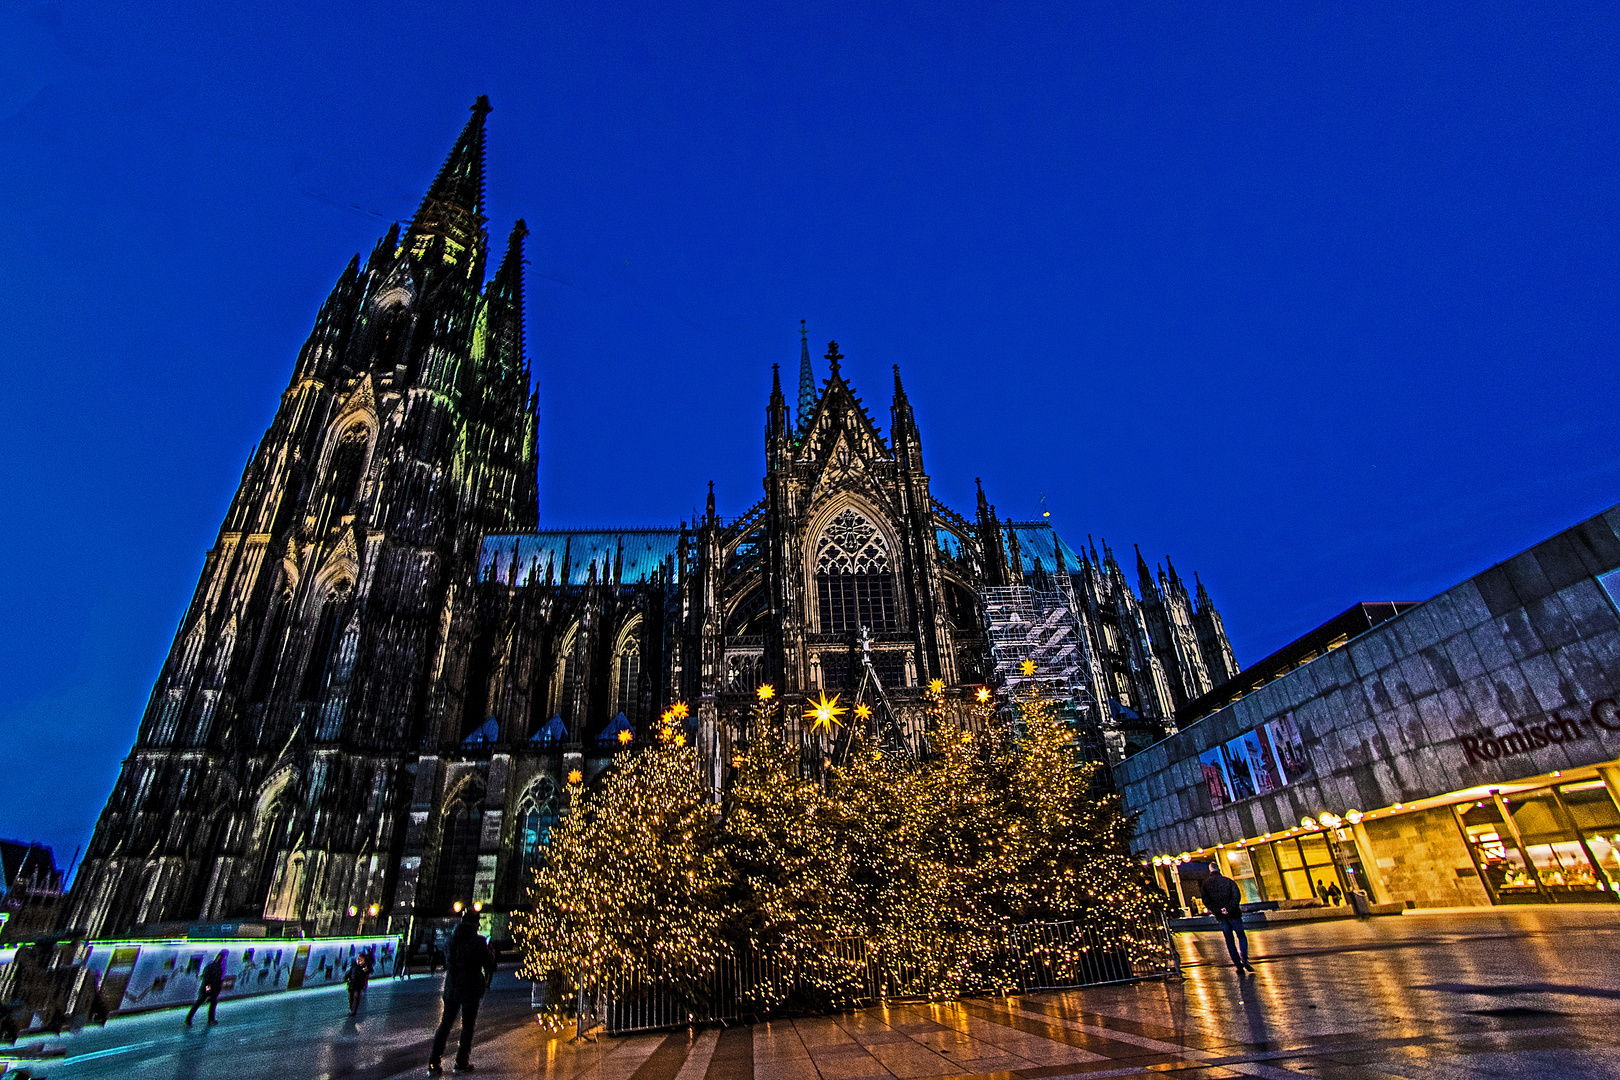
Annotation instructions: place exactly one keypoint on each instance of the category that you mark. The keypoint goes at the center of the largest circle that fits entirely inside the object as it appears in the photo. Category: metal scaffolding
(1036, 638)
(1028, 625)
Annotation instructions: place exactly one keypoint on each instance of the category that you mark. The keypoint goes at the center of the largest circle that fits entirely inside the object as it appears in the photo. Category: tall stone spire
(807, 379)
(505, 296)
(1144, 577)
(777, 426)
(331, 331)
(903, 429)
(453, 208)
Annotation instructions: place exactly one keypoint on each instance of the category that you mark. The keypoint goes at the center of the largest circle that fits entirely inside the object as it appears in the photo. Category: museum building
(1464, 751)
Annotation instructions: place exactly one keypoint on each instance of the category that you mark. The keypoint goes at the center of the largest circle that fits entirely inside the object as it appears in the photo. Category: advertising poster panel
(140, 975)
(1220, 789)
(1289, 747)
(1255, 747)
(1237, 767)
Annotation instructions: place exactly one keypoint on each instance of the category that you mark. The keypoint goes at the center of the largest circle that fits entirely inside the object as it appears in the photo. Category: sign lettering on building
(1487, 746)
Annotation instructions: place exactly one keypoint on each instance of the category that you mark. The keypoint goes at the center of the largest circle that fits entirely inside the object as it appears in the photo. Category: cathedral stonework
(388, 670)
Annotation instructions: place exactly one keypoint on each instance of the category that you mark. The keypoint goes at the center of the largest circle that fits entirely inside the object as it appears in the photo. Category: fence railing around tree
(851, 972)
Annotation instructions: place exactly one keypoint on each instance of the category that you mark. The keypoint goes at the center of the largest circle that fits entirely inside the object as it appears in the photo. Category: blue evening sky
(1319, 300)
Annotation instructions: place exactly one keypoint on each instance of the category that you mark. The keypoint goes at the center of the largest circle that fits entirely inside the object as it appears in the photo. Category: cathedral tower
(272, 764)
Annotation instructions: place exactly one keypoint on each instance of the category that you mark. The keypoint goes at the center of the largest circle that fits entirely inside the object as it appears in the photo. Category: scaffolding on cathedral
(1037, 643)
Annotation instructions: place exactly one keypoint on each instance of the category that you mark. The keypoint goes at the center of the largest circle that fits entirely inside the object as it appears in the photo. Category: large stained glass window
(538, 819)
(854, 576)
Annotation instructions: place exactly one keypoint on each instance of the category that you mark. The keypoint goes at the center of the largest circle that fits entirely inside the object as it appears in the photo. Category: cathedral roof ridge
(606, 530)
(571, 557)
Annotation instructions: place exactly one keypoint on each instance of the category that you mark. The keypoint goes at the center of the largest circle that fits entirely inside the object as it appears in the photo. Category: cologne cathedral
(388, 668)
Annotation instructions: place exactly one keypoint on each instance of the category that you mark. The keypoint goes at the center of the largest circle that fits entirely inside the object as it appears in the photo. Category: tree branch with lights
(931, 864)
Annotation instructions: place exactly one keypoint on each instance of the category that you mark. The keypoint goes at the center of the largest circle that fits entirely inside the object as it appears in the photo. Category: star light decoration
(982, 695)
(575, 776)
(625, 737)
(765, 692)
(936, 686)
(671, 730)
(863, 711)
(824, 714)
(1029, 667)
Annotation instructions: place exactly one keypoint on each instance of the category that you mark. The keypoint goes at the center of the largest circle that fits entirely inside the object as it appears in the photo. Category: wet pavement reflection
(1519, 992)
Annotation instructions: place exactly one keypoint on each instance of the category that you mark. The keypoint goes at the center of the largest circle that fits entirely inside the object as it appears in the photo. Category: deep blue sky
(1320, 301)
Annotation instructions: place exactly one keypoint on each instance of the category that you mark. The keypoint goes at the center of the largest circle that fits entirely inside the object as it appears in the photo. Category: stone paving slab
(1527, 992)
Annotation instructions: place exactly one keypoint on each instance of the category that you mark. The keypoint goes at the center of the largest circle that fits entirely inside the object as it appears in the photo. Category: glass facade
(1542, 840)
(1555, 844)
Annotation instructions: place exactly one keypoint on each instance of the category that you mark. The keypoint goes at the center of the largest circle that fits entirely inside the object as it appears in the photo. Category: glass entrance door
(1507, 877)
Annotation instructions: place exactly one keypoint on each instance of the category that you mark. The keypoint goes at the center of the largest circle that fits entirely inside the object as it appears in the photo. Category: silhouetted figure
(356, 978)
(1225, 901)
(1335, 895)
(213, 980)
(96, 1013)
(468, 968)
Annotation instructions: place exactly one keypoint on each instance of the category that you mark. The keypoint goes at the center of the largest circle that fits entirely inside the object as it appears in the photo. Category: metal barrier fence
(852, 972)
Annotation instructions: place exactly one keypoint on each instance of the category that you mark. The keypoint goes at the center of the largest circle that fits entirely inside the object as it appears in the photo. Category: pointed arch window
(562, 678)
(390, 327)
(627, 673)
(321, 650)
(854, 576)
(537, 817)
(264, 673)
(348, 463)
(458, 854)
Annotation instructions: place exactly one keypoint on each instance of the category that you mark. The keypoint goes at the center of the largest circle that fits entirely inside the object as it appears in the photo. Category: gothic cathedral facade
(388, 668)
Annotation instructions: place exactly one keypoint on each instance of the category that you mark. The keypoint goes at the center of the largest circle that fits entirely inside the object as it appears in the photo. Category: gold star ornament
(936, 686)
(1029, 667)
(625, 737)
(575, 776)
(823, 714)
(864, 711)
(982, 694)
(765, 692)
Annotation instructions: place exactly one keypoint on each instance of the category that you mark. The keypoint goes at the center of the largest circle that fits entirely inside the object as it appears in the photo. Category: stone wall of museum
(1512, 673)
(1423, 860)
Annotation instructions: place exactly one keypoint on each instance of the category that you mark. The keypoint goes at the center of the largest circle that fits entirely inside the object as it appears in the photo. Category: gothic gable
(840, 414)
(360, 405)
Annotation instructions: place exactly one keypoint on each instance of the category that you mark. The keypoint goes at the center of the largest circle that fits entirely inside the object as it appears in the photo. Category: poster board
(135, 976)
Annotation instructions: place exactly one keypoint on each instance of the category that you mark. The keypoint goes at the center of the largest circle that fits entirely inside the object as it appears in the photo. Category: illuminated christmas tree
(929, 866)
(634, 883)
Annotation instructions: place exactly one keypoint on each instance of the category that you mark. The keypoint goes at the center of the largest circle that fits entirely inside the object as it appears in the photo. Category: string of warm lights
(932, 863)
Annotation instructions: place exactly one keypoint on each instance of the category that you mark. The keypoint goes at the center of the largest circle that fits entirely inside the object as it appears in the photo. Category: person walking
(469, 966)
(213, 980)
(1225, 901)
(356, 978)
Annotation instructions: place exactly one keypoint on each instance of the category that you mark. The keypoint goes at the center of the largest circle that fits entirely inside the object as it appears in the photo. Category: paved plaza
(1528, 992)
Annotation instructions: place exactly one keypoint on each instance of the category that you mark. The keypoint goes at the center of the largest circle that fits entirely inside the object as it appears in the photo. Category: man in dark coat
(469, 965)
(213, 980)
(356, 978)
(1225, 902)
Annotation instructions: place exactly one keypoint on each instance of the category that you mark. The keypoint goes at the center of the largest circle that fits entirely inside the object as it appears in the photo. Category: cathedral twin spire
(452, 211)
